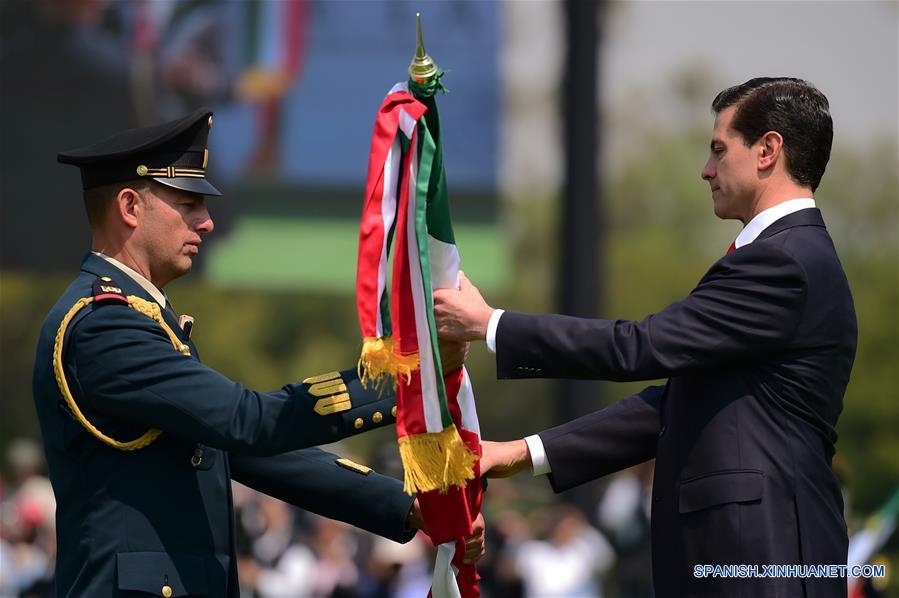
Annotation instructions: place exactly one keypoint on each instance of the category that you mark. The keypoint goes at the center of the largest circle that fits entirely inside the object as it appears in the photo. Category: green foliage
(24, 302)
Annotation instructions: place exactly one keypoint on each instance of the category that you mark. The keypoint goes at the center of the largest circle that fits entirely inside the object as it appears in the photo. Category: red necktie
(732, 247)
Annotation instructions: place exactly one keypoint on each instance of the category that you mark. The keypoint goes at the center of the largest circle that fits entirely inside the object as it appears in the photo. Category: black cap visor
(192, 184)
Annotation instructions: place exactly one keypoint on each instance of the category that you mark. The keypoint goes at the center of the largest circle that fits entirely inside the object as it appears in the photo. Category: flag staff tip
(423, 68)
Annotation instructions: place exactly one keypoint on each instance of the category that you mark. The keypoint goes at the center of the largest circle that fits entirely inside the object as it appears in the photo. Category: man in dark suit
(757, 358)
(142, 439)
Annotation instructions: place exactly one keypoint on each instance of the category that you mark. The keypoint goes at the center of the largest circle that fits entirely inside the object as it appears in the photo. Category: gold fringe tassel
(378, 360)
(404, 365)
(436, 461)
(375, 359)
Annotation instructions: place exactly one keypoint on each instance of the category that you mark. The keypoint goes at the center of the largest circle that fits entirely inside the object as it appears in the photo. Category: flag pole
(407, 206)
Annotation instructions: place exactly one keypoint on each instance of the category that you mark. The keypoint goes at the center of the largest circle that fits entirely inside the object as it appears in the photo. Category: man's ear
(771, 145)
(130, 205)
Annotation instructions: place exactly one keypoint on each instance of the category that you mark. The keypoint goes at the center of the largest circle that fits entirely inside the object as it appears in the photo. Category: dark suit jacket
(134, 521)
(757, 357)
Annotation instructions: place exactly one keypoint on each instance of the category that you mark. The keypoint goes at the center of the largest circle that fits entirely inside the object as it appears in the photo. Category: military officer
(142, 439)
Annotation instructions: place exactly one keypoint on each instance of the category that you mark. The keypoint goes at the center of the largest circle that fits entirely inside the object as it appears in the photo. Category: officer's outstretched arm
(325, 484)
(121, 364)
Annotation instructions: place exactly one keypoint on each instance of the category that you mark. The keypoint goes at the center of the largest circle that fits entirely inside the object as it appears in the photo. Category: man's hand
(415, 520)
(461, 315)
(475, 544)
(504, 459)
(452, 354)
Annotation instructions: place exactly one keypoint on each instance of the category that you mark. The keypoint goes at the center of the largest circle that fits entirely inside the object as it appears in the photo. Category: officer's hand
(504, 459)
(415, 520)
(476, 543)
(452, 354)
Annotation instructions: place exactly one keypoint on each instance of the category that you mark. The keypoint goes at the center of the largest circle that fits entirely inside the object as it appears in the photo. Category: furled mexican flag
(406, 206)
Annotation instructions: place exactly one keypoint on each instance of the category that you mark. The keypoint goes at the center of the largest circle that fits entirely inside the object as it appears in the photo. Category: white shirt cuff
(539, 462)
(491, 329)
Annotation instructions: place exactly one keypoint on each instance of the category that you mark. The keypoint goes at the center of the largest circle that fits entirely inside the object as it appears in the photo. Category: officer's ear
(130, 204)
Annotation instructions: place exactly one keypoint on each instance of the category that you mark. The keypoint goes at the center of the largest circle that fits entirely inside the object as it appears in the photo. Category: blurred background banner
(294, 85)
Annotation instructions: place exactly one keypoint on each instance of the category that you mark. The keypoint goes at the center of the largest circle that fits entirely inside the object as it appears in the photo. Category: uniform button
(662, 431)
(358, 423)
(393, 411)
(197, 459)
(167, 591)
(377, 417)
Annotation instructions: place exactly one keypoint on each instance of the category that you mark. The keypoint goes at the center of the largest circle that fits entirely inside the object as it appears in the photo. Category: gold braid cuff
(149, 309)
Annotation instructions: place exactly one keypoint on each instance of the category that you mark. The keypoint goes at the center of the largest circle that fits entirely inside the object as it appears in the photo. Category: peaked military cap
(173, 154)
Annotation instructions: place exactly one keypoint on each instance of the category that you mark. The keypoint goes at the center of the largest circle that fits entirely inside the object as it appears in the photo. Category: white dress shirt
(750, 233)
(148, 286)
(766, 218)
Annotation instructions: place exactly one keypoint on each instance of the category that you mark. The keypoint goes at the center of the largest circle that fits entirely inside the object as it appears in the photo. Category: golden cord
(149, 309)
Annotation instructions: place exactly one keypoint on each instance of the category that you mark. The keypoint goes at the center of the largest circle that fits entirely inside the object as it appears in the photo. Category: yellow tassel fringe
(378, 360)
(404, 365)
(375, 360)
(436, 461)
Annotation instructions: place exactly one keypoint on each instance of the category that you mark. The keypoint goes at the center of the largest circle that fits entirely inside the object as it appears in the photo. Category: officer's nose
(205, 224)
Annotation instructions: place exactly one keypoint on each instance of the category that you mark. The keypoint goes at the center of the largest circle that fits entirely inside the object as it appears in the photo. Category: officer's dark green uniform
(142, 439)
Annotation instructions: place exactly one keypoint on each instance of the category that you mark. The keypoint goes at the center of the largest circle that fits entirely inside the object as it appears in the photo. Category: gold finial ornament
(423, 68)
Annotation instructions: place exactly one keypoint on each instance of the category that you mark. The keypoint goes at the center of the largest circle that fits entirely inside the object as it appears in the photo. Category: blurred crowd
(535, 548)
(27, 523)
(552, 550)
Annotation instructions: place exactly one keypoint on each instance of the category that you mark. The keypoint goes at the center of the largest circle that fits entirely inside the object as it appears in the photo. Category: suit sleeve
(621, 435)
(749, 303)
(122, 365)
(313, 480)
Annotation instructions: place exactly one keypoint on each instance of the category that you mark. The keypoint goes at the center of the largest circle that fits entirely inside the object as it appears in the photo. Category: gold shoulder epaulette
(149, 309)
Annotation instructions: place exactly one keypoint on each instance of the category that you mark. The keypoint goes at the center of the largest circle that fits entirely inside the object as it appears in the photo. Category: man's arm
(620, 436)
(121, 366)
(748, 304)
(603, 442)
(323, 483)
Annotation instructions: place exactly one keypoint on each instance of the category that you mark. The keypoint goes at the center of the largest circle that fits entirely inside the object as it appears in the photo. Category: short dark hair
(97, 199)
(794, 108)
